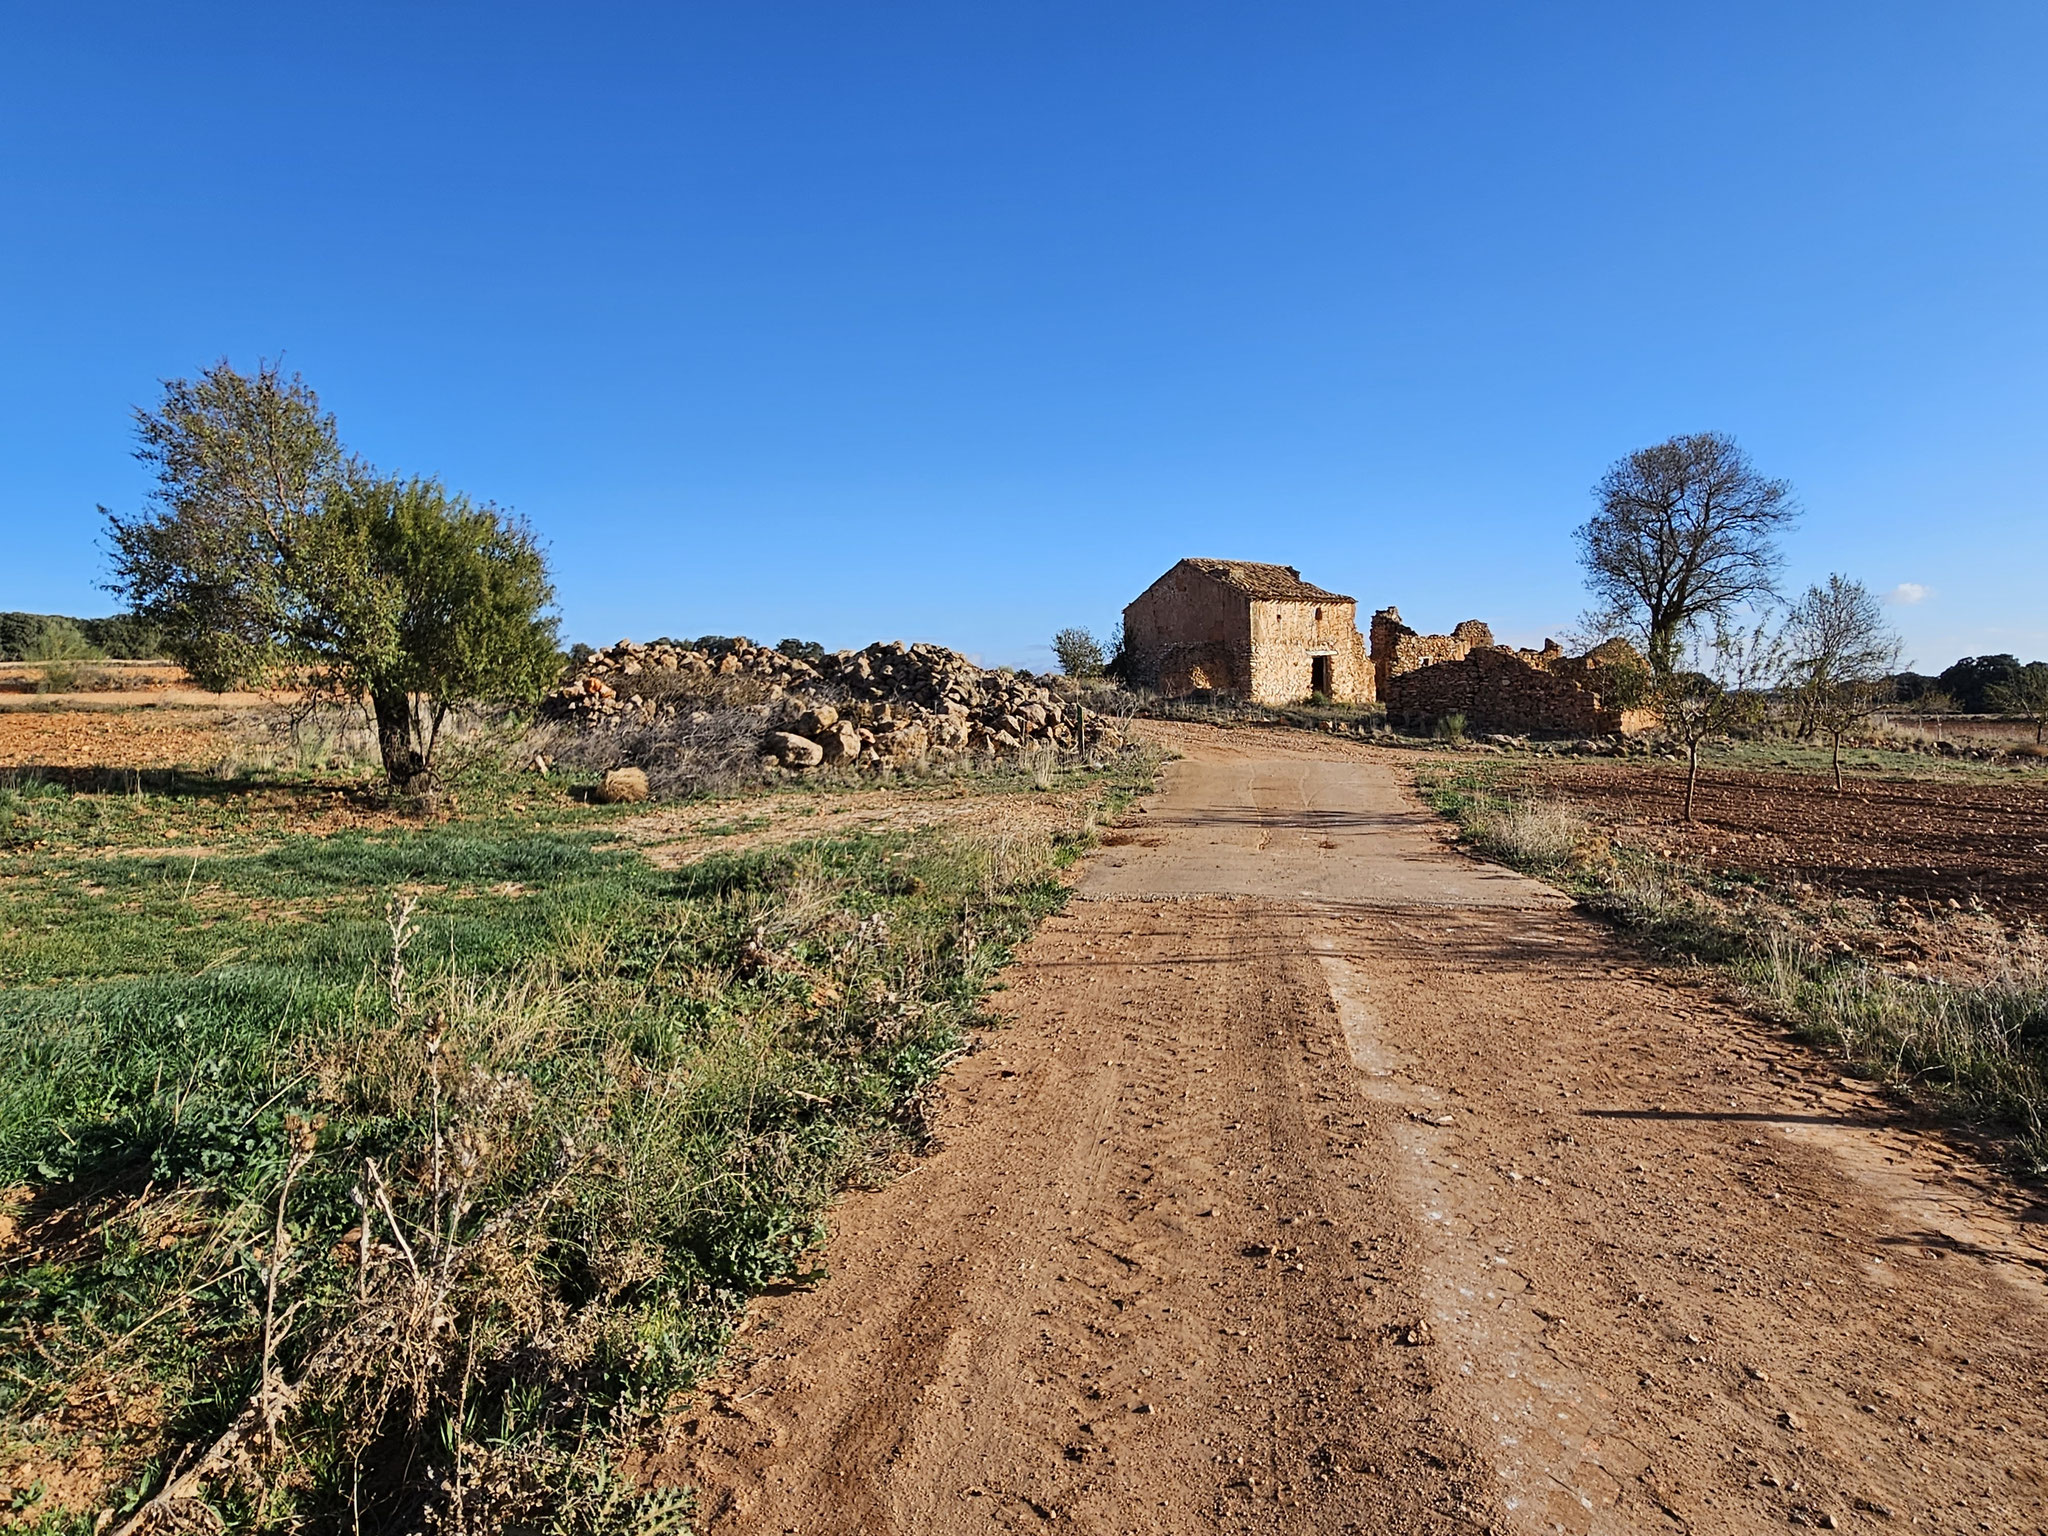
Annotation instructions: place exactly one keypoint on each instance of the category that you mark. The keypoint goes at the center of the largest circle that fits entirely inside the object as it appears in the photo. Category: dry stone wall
(1520, 692)
(1286, 639)
(1396, 648)
(1188, 634)
(891, 704)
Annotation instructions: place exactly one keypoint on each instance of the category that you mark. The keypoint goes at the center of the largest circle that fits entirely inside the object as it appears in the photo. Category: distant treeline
(1966, 687)
(56, 637)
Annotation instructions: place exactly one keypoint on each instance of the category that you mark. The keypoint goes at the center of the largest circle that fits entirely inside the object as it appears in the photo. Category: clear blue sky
(963, 321)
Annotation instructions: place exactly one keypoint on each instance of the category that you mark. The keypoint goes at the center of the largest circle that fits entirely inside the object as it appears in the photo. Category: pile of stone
(891, 704)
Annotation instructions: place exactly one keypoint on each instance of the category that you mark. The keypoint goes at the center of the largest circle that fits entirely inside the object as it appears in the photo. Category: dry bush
(1538, 834)
(704, 751)
(1985, 1041)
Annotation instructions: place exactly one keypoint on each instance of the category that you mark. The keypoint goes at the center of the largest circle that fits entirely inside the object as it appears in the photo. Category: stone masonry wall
(1189, 634)
(1496, 689)
(1286, 636)
(1397, 649)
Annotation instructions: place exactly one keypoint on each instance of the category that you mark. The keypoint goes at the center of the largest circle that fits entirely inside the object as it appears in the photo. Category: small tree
(2026, 696)
(1840, 655)
(1716, 690)
(1079, 653)
(270, 557)
(1686, 534)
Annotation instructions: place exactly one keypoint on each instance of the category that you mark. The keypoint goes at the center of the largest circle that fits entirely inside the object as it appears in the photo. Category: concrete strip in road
(1296, 829)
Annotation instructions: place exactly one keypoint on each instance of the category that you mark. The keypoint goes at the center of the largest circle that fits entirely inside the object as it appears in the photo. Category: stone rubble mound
(890, 704)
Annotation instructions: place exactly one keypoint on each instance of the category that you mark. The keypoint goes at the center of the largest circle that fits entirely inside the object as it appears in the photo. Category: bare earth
(1326, 1181)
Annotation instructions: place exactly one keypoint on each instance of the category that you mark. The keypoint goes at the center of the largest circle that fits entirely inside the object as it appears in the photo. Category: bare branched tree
(2026, 696)
(1839, 658)
(1686, 534)
(1716, 689)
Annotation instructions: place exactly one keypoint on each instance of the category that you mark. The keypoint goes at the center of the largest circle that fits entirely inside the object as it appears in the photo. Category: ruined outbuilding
(1253, 631)
(1522, 692)
(1396, 648)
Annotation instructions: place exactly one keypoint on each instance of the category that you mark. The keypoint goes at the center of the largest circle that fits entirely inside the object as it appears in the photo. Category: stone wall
(1397, 649)
(1520, 692)
(1287, 636)
(1186, 634)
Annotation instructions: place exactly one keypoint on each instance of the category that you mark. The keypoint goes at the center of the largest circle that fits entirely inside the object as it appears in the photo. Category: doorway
(1319, 675)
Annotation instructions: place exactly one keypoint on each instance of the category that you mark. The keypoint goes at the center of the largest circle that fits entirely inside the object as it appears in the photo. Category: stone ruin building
(1396, 648)
(1497, 688)
(1253, 631)
(1259, 632)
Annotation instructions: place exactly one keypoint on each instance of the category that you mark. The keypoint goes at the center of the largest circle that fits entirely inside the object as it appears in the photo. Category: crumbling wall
(1397, 649)
(1520, 692)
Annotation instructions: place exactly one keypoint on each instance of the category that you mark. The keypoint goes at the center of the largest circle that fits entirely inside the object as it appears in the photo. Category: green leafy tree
(2025, 696)
(1685, 536)
(1079, 653)
(1970, 681)
(1839, 659)
(270, 557)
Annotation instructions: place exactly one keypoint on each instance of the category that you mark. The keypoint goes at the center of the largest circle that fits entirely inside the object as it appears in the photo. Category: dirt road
(1325, 1181)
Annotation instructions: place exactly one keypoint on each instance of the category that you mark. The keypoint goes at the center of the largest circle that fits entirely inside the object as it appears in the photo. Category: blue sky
(962, 322)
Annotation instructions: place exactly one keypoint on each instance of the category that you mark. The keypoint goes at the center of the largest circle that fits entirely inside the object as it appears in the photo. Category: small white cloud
(1906, 594)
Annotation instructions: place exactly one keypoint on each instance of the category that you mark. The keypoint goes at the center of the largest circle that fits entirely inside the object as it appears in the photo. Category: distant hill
(57, 637)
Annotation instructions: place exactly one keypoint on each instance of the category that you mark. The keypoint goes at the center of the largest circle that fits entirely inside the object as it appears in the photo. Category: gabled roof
(1268, 583)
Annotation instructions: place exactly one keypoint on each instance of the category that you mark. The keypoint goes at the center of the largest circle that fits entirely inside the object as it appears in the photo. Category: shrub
(1530, 834)
(1449, 728)
(709, 750)
(1079, 653)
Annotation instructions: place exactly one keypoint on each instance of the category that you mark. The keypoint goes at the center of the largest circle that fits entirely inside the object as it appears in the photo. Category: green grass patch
(441, 1153)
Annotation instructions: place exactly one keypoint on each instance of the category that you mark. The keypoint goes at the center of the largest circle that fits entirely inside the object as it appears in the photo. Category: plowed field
(1924, 839)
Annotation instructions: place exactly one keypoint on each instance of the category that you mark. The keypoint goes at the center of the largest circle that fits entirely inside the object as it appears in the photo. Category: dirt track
(1412, 1203)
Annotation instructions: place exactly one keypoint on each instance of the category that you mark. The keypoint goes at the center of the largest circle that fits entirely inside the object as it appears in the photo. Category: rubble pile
(891, 704)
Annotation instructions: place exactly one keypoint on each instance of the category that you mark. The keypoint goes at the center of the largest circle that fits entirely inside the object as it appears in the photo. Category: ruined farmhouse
(1253, 631)
(1260, 632)
(1498, 688)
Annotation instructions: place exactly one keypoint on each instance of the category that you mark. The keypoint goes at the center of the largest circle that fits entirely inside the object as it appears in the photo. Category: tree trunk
(1663, 648)
(1692, 775)
(404, 768)
(1836, 739)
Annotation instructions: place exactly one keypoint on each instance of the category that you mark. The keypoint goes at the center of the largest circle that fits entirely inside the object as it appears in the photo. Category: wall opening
(1319, 676)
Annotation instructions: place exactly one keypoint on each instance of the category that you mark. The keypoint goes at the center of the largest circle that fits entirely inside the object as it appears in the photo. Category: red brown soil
(1397, 1212)
(1929, 840)
(129, 738)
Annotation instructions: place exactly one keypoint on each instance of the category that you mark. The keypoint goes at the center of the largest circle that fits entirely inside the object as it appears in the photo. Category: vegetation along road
(1325, 1180)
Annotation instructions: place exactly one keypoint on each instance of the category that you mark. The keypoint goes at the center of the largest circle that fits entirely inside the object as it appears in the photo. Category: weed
(1545, 834)
(1979, 1049)
(405, 1171)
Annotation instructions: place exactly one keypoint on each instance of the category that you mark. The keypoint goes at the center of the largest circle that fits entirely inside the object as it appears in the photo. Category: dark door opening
(1319, 675)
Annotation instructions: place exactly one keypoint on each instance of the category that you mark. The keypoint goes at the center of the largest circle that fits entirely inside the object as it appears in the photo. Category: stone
(623, 786)
(792, 750)
(816, 722)
(841, 742)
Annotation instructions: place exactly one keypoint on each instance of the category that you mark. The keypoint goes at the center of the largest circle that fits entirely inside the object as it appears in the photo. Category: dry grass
(1539, 834)
(1984, 1042)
